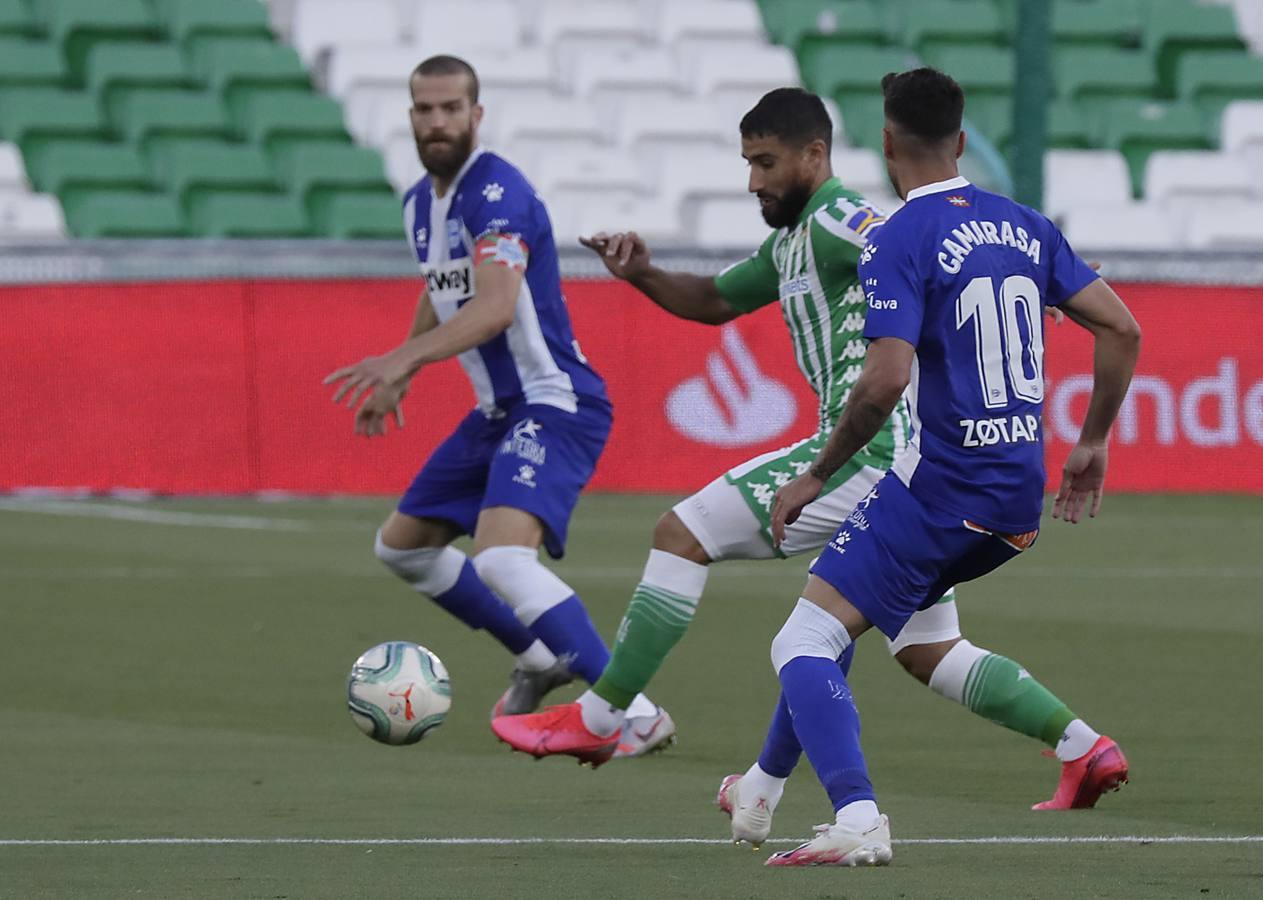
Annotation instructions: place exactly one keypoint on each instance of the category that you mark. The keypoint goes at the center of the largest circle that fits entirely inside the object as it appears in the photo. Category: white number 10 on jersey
(1012, 352)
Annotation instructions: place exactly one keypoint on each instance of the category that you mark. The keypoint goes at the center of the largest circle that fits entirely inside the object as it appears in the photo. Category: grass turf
(176, 679)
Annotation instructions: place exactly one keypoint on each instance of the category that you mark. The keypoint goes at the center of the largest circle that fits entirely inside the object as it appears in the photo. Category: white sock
(757, 783)
(859, 815)
(598, 716)
(641, 706)
(1075, 741)
(535, 658)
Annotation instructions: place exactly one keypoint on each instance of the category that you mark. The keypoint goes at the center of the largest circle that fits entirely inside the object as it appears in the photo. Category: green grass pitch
(185, 679)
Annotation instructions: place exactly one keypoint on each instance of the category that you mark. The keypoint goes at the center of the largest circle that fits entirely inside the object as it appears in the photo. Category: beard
(783, 211)
(444, 160)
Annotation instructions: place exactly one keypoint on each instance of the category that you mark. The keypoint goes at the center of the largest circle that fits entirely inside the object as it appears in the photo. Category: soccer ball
(397, 692)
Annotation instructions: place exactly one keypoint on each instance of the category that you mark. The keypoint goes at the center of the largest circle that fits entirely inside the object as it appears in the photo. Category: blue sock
(781, 749)
(471, 601)
(828, 726)
(567, 630)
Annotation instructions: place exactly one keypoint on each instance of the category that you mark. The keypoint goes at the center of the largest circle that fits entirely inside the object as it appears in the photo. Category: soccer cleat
(836, 845)
(527, 689)
(642, 735)
(1084, 780)
(751, 822)
(555, 730)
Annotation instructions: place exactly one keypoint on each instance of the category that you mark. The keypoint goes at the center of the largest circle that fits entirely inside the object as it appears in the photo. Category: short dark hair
(924, 102)
(792, 115)
(450, 65)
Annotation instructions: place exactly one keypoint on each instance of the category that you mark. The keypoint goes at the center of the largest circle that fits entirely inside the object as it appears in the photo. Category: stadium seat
(136, 214)
(1137, 226)
(15, 19)
(30, 217)
(978, 69)
(321, 24)
(934, 23)
(1095, 77)
(675, 123)
(354, 67)
(863, 117)
(192, 21)
(349, 216)
(78, 25)
(718, 68)
(1187, 176)
(144, 115)
(1174, 27)
(30, 62)
(837, 69)
(728, 224)
(269, 118)
(1241, 126)
(708, 19)
(12, 170)
(403, 168)
(60, 166)
(1212, 79)
(320, 167)
(620, 71)
(605, 170)
(609, 22)
(1066, 126)
(1095, 23)
(188, 167)
(116, 66)
(457, 26)
(1079, 178)
(247, 214)
(556, 118)
(41, 112)
(232, 65)
(651, 218)
(1230, 226)
(1137, 129)
(698, 172)
(861, 170)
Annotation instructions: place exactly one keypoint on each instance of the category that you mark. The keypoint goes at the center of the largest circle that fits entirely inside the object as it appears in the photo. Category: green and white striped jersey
(811, 268)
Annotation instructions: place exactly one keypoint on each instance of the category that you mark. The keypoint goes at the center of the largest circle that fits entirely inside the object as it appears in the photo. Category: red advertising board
(211, 387)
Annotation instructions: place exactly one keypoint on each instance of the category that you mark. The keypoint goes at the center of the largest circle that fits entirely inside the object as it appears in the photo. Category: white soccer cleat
(836, 845)
(645, 734)
(751, 820)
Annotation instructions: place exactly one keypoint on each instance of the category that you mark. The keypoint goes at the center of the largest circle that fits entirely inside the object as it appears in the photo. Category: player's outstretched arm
(687, 296)
(1116, 336)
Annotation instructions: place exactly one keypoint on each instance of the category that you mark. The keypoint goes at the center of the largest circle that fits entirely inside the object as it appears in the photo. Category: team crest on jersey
(422, 235)
(957, 200)
(864, 220)
(524, 443)
(453, 234)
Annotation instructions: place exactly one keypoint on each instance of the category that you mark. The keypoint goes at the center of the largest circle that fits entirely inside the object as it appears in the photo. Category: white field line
(141, 514)
(1013, 840)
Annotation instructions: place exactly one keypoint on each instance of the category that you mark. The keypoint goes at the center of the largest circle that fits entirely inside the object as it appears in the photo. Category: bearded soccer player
(511, 473)
(809, 264)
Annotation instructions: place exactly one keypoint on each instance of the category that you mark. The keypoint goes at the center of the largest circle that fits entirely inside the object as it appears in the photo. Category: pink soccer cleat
(835, 845)
(554, 731)
(1084, 780)
(751, 817)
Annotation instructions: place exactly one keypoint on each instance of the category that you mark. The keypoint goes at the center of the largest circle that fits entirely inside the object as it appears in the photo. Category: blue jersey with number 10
(963, 275)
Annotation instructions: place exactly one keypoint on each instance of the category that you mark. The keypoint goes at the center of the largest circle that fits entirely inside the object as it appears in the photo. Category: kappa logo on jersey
(524, 442)
(735, 403)
(525, 476)
(449, 281)
(958, 200)
(493, 192)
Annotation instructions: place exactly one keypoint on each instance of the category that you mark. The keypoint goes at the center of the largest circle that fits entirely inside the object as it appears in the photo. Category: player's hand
(1082, 480)
(367, 374)
(384, 402)
(625, 254)
(789, 501)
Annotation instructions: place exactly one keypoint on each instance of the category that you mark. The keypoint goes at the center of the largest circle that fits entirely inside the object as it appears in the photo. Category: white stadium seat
(403, 168)
(607, 20)
(605, 169)
(26, 216)
(861, 170)
(605, 70)
(1074, 178)
(551, 118)
(705, 19)
(749, 68)
(378, 66)
(1241, 126)
(1182, 176)
(701, 172)
(321, 24)
(727, 223)
(461, 26)
(1226, 226)
(1136, 226)
(681, 122)
(12, 171)
(652, 219)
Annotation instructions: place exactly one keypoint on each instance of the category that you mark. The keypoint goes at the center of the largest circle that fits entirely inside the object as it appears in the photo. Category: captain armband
(503, 249)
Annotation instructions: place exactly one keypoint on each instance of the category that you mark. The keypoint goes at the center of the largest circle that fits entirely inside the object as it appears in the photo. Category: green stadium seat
(992, 114)
(115, 66)
(978, 69)
(1095, 77)
(834, 69)
(1137, 128)
(863, 117)
(78, 25)
(1174, 27)
(1096, 22)
(787, 21)
(311, 168)
(230, 65)
(192, 21)
(276, 117)
(142, 115)
(33, 114)
(189, 167)
(1067, 127)
(16, 19)
(853, 22)
(932, 23)
(30, 62)
(1212, 79)
(60, 166)
(358, 215)
(247, 215)
(130, 214)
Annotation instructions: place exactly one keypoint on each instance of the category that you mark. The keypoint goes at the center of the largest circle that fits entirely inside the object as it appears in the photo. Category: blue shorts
(894, 555)
(535, 458)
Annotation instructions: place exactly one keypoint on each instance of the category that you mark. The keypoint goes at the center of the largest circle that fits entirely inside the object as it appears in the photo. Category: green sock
(1000, 690)
(661, 608)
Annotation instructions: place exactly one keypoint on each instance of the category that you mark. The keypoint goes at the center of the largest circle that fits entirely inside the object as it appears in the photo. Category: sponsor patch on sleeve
(504, 249)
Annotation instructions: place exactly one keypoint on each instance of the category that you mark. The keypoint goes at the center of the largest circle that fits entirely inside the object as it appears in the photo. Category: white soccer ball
(397, 692)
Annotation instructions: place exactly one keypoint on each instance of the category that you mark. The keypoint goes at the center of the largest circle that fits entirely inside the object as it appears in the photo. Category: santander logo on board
(735, 403)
